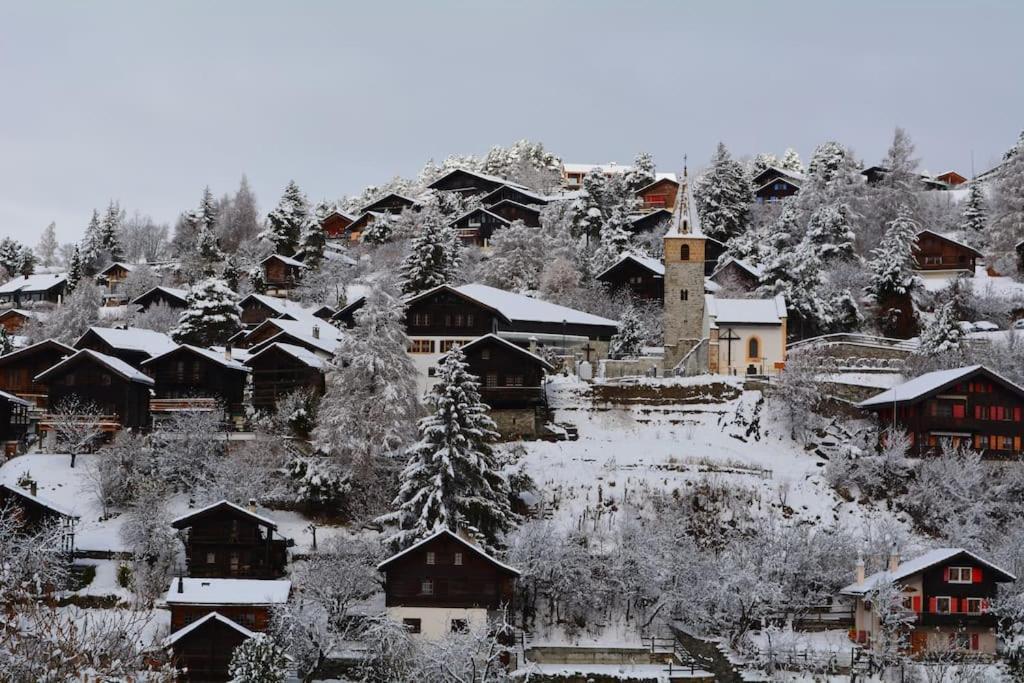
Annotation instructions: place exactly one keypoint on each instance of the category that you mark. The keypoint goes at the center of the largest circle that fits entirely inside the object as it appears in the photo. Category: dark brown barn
(19, 369)
(225, 540)
(389, 203)
(119, 391)
(190, 372)
(33, 511)
(937, 252)
(970, 406)
(13, 421)
(644, 277)
(470, 183)
(203, 649)
(281, 273)
(773, 184)
(514, 211)
(661, 194)
(133, 345)
(168, 296)
(259, 307)
(335, 225)
(280, 369)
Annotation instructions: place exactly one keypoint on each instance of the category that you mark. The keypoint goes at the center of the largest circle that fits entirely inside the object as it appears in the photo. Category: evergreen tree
(207, 212)
(628, 340)
(312, 243)
(594, 203)
(212, 316)
(898, 188)
(831, 230)
(762, 162)
(892, 263)
(943, 335)
(286, 222)
(826, 161)
(791, 161)
(207, 248)
(643, 172)
(76, 270)
(615, 239)
(231, 273)
(258, 659)
(240, 219)
(110, 233)
(795, 272)
(1006, 223)
(723, 197)
(12, 256)
(452, 479)
(518, 255)
(973, 216)
(429, 261)
(380, 231)
(47, 247)
(92, 245)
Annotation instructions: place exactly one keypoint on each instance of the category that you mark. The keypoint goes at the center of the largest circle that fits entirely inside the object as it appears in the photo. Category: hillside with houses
(522, 419)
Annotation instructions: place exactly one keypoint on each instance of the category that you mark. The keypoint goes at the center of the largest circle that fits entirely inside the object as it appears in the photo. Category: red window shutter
(984, 606)
(963, 606)
(945, 574)
(977, 412)
(959, 411)
(976, 575)
(932, 605)
(915, 603)
(974, 641)
(1016, 413)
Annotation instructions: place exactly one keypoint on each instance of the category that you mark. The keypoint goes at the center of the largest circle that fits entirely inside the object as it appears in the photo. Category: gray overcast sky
(148, 102)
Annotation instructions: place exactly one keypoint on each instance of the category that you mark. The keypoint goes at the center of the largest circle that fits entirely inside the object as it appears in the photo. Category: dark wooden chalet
(247, 602)
(514, 211)
(189, 373)
(112, 278)
(644, 277)
(478, 225)
(311, 334)
(168, 296)
(390, 203)
(446, 571)
(224, 540)
(773, 184)
(656, 221)
(119, 391)
(661, 194)
(14, 319)
(935, 252)
(281, 273)
(970, 406)
(951, 178)
(19, 369)
(34, 511)
(279, 369)
(470, 183)
(515, 194)
(133, 345)
(949, 591)
(876, 174)
(13, 421)
(24, 289)
(736, 275)
(203, 649)
(336, 224)
(360, 224)
(259, 307)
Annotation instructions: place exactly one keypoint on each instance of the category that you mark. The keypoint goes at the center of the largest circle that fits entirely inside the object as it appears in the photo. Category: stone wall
(515, 422)
(630, 367)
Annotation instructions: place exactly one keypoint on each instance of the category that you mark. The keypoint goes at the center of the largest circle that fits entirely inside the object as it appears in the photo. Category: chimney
(181, 584)
(858, 571)
(894, 558)
(316, 331)
(33, 487)
(533, 345)
(227, 352)
(252, 505)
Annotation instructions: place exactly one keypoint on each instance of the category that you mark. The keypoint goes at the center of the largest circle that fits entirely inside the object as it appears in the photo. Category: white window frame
(457, 559)
(960, 575)
(431, 558)
(938, 604)
(978, 602)
(427, 587)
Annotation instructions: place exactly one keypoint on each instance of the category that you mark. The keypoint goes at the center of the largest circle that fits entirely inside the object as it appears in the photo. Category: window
(469, 320)
(959, 575)
(69, 380)
(421, 346)
(459, 626)
(413, 625)
(447, 344)
(753, 348)
(457, 321)
(420, 319)
(457, 559)
(684, 252)
(491, 380)
(105, 379)
(513, 380)
(427, 587)
(942, 605)
(959, 641)
(684, 295)
(211, 558)
(431, 558)
(959, 410)
(975, 605)
(485, 354)
(636, 280)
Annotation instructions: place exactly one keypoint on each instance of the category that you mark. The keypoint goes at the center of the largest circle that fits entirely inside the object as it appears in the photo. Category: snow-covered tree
(518, 255)
(15, 258)
(207, 251)
(628, 340)
(207, 212)
(831, 230)
(110, 233)
(6, 343)
(159, 317)
(429, 261)
(380, 231)
(826, 161)
(761, 162)
(212, 316)
(33, 558)
(615, 239)
(76, 269)
(594, 204)
(91, 247)
(643, 172)
(287, 221)
(312, 242)
(149, 536)
(722, 195)
(69, 321)
(1006, 222)
(942, 335)
(791, 161)
(974, 214)
(47, 247)
(452, 479)
(239, 218)
(258, 660)
(892, 263)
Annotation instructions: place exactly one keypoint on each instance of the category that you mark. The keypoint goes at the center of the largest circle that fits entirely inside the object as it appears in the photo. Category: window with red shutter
(976, 575)
(945, 574)
(1016, 413)
(916, 603)
(932, 604)
(959, 411)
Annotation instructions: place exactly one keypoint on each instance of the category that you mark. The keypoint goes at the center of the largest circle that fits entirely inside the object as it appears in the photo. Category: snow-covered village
(744, 405)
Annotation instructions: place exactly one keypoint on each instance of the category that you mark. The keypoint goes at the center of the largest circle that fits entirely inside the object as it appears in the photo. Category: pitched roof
(302, 331)
(184, 631)
(480, 209)
(300, 353)
(447, 532)
(115, 365)
(657, 181)
(512, 202)
(653, 265)
(133, 339)
(523, 308)
(172, 292)
(746, 311)
(287, 260)
(183, 521)
(951, 240)
(228, 591)
(281, 306)
(405, 200)
(209, 354)
(117, 264)
(933, 382)
(38, 500)
(39, 282)
(483, 176)
(11, 398)
(781, 173)
(38, 346)
(780, 179)
(504, 342)
(917, 565)
(541, 199)
(740, 263)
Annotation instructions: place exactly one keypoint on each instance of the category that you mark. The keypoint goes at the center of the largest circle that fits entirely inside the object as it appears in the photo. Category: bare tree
(76, 425)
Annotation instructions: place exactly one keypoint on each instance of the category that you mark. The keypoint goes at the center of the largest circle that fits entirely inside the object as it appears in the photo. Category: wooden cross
(729, 337)
(587, 349)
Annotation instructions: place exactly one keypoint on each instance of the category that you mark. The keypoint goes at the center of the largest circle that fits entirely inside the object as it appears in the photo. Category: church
(707, 334)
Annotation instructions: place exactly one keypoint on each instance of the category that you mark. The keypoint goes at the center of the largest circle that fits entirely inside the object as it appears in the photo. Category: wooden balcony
(498, 397)
(105, 423)
(956, 619)
(174, 405)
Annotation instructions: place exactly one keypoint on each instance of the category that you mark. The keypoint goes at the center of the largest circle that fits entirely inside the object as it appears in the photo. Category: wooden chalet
(773, 184)
(13, 421)
(246, 602)
(113, 278)
(948, 592)
(511, 384)
(391, 203)
(515, 194)
(445, 583)
(279, 369)
(364, 221)
(656, 221)
(203, 649)
(661, 194)
(642, 276)
(514, 211)
(737, 275)
(478, 225)
(876, 174)
(336, 225)
(19, 369)
(970, 406)
(259, 307)
(224, 540)
(312, 334)
(34, 511)
(119, 391)
(14, 319)
(133, 345)
(281, 273)
(41, 287)
(470, 183)
(935, 253)
(168, 296)
(951, 178)
(190, 378)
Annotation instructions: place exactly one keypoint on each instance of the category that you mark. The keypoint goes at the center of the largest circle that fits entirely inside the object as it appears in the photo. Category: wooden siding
(659, 195)
(276, 374)
(206, 652)
(639, 280)
(17, 373)
(91, 381)
(227, 544)
(508, 379)
(186, 374)
(934, 253)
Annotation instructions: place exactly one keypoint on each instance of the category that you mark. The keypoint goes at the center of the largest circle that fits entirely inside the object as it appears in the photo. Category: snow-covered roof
(640, 217)
(543, 199)
(651, 264)
(527, 309)
(300, 353)
(39, 500)
(779, 179)
(365, 208)
(746, 311)
(531, 209)
(302, 330)
(281, 306)
(447, 532)
(287, 260)
(745, 265)
(952, 240)
(481, 209)
(115, 365)
(39, 282)
(117, 264)
(22, 312)
(182, 521)
(785, 173)
(34, 347)
(915, 566)
(214, 356)
(133, 339)
(656, 181)
(185, 630)
(931, 382)
(170, 291)
(510, 345)
(228, 591)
